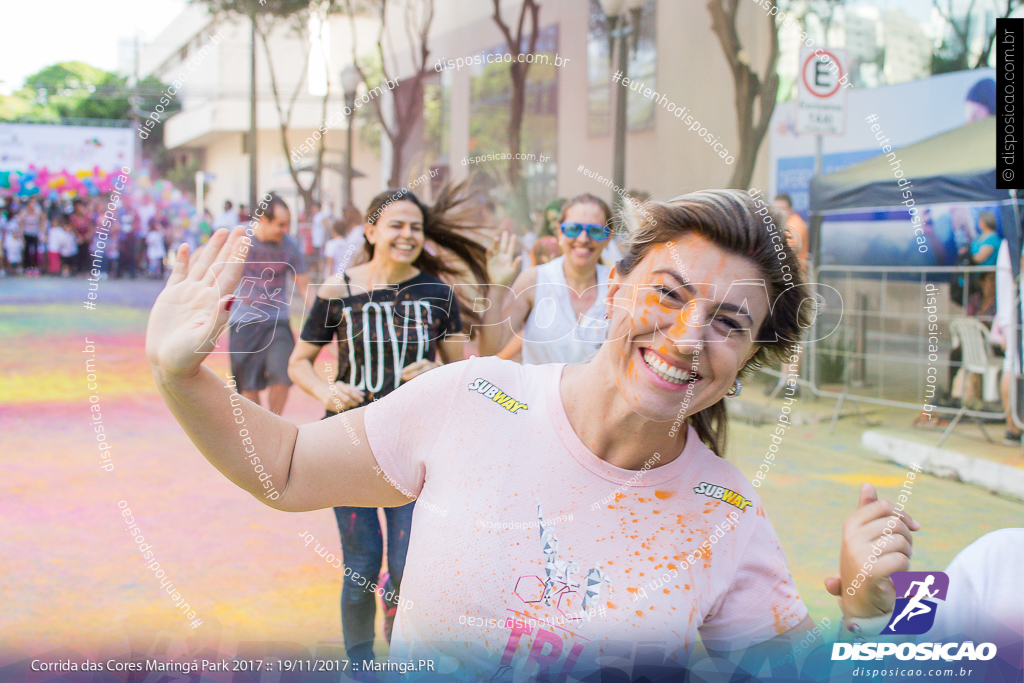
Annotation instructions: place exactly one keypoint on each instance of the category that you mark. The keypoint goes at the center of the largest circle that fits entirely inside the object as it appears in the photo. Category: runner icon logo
(488, 390)
(723, 494)
(914, 613)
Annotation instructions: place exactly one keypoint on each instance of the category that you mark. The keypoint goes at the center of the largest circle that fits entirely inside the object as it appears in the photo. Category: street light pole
(619, 30)
(349, 82)
(252, 121)
(621, 97)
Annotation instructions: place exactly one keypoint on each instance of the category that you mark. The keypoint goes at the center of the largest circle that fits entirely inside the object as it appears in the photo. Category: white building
(908, 49)
(567, 120)
(214, 59)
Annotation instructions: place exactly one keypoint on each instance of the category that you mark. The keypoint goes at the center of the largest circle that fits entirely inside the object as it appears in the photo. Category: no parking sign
(821, 91)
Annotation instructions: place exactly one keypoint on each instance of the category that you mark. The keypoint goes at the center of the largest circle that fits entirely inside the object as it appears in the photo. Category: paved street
(241, 565)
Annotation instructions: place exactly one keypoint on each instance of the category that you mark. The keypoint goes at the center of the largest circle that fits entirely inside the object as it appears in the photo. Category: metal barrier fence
(869, 341)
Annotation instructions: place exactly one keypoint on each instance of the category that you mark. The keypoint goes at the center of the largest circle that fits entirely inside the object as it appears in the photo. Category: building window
(642, 66)
(490, 98)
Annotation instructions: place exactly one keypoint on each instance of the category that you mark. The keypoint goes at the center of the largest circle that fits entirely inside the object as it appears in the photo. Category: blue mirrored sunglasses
(598, 233)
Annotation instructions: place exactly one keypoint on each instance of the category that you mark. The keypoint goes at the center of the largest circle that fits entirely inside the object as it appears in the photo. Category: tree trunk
(518, 72)
(749, 88)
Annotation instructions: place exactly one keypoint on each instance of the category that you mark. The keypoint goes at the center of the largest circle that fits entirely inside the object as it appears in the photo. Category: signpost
(820, 110)
(821, 92)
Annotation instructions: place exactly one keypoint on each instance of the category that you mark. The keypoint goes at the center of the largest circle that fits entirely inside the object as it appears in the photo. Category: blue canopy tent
(955, 167)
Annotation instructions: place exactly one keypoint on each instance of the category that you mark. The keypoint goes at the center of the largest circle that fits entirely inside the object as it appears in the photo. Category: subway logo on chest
(723, 494)
(488, 390)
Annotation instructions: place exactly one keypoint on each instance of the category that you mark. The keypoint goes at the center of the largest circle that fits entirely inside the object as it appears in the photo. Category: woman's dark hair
(745, 226)
(448, 225)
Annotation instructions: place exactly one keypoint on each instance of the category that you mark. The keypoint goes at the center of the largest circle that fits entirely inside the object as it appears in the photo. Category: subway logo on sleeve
(488, 390)
(723, 494)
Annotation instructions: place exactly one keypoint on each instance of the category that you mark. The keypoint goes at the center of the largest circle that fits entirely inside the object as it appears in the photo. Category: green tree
(77, 90)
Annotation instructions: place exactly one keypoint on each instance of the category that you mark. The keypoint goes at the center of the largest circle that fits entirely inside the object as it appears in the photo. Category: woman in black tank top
(393, 318)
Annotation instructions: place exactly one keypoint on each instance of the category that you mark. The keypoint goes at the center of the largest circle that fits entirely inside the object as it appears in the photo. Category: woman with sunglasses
(496, 589)
(556, 310)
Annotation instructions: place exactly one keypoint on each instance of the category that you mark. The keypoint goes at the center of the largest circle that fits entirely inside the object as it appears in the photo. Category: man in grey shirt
(261, 338)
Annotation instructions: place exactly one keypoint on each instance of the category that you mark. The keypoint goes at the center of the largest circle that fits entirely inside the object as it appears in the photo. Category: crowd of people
(55, 237)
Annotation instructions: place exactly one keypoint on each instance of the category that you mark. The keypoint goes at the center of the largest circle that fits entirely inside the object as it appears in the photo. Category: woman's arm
(503, 264)
(865, 596)
(515, 309)
(324, 464)
(336, 396)
(983, 253)
(512, 349)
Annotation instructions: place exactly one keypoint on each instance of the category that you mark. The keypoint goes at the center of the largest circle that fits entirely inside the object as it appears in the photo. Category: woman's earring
(737, 387)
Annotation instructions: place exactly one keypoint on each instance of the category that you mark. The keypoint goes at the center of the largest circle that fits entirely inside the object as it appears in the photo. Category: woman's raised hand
(876, 542)
(192, 310)
(503, 259)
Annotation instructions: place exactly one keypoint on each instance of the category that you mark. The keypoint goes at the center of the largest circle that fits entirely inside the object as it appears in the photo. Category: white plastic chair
(977, 356)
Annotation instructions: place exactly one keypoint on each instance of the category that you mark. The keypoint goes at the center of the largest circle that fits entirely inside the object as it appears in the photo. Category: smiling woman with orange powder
(498, 440)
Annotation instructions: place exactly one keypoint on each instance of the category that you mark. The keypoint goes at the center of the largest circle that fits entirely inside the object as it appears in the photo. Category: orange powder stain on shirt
(611, 606)
(639, 613)
(664, 495)
(779, 626)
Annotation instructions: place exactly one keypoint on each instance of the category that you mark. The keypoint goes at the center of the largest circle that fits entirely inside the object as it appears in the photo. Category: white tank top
(552, 334)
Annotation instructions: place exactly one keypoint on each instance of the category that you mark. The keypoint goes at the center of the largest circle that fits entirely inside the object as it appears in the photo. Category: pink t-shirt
(529, 553)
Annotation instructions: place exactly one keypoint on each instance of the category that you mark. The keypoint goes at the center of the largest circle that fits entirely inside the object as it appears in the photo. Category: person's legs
(253, 396)
(1004, 393)
(277, 397)
(82, 258)
(31, 251)
(246, 346)
(362, 549)
(277, 353)
(399, 526)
